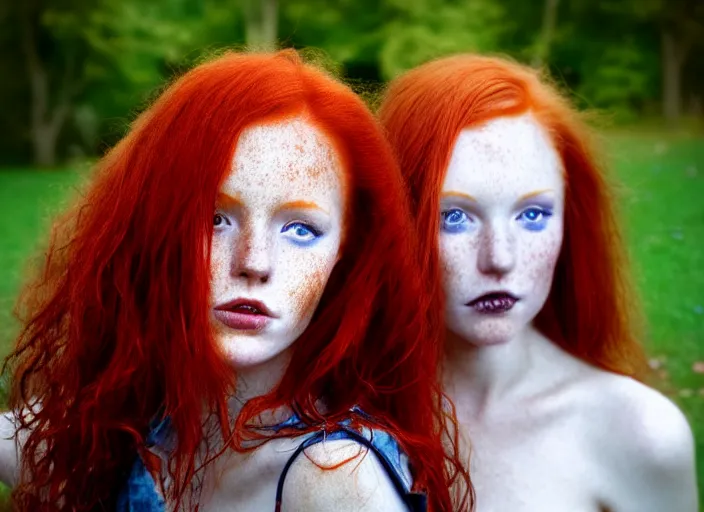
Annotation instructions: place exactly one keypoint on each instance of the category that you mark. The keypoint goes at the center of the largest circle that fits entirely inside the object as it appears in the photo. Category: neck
(476, 376)
(256, 381)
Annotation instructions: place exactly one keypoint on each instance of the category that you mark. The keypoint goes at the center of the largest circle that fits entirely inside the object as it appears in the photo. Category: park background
(76, 72)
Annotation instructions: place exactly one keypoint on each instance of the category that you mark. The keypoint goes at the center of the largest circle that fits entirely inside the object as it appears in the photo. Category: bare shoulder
(343, 473)
(643, 442)
(642, 421)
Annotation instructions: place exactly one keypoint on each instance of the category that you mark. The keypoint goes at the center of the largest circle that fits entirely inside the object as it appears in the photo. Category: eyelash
(538, 224)
(305, 225)
(308, 227)
(542, 214)
(223, 217)
(455, 227)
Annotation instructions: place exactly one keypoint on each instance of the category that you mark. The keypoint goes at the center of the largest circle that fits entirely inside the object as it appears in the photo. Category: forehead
(506, 156)
(278, 160)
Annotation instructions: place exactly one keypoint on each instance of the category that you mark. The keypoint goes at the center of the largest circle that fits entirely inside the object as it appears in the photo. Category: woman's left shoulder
(643, 444)
(342, 472)
(642, 421)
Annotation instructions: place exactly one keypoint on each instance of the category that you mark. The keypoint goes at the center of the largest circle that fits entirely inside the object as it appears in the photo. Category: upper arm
(8, 449)
(656, 457)
(342, 473)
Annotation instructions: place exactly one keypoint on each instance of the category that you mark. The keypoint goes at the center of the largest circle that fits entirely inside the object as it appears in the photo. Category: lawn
(663, 208)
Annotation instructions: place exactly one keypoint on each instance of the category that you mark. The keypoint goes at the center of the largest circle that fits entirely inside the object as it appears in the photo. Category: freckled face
(501, 226)
(277, 228)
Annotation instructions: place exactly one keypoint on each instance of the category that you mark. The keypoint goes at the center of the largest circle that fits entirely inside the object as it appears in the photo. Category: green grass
(28, 199)
(663, 207)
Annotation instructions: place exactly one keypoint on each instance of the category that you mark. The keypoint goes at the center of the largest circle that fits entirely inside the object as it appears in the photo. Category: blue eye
(301, 233)
(454, 220)
(534, 218)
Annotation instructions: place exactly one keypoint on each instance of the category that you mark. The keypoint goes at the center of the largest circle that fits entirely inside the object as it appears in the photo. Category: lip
(243, 314)
(494, 302)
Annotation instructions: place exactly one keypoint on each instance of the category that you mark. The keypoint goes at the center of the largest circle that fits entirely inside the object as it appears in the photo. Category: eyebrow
(533, 194)
(227, 201)
(453, 193)
(300, 205)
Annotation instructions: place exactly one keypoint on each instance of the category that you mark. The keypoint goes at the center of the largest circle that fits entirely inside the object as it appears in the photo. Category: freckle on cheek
(218, 265)
(306, 295)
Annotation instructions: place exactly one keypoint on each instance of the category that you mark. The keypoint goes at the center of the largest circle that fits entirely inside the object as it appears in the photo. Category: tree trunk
(261, 19)
(542, 51)
(44, 139)
(45, 122)
(672, 60)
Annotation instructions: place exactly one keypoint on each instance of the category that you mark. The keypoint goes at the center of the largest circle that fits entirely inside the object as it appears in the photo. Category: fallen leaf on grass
(698, 367)
(685, 393)
(660, 148)
(655, 363)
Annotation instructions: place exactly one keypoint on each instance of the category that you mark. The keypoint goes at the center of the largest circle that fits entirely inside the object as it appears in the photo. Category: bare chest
(524, 463)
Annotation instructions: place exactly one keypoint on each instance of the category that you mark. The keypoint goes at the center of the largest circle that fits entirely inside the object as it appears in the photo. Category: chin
(490, 331)
(244, 352)
(488, 341)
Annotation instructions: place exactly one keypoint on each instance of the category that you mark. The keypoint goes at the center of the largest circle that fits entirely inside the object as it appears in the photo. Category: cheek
(540, 257)
(219, 262)
(457, 257)
(305, 290)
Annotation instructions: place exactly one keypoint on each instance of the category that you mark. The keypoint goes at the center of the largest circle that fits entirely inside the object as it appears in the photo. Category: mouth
(494, 303)
(243, 314)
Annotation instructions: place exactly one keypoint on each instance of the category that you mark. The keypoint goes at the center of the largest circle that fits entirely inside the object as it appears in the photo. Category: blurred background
(76, 72)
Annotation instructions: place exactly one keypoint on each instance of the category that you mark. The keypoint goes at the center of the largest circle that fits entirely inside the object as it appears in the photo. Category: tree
(396, 34)
(261, 23)
(54, 77)
(542, 50)
(682, 27)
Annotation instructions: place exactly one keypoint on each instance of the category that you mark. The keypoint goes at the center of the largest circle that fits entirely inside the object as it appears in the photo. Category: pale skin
(548, 432)
(278, 226)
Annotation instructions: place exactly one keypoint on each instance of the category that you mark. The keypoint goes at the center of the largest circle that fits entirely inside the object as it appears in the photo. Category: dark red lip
(494, 302)
(243, 314)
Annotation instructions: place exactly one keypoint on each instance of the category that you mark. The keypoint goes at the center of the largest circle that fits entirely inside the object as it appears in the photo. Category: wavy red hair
(589, 310)
(116, 328)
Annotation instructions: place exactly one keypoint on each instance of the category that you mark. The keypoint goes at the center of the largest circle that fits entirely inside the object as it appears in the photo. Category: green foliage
(137, 46)
(395, 34)
(118, 55)
(431, 28)
(617, 80)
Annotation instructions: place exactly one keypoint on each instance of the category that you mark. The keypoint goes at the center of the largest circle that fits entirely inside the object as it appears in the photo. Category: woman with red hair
(236, 287)
(523, 259)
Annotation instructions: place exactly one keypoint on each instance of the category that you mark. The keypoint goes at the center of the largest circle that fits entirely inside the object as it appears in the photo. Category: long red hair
(589, 310)
(116, 328)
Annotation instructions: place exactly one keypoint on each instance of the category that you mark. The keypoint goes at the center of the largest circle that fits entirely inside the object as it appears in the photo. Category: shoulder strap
(416, 502)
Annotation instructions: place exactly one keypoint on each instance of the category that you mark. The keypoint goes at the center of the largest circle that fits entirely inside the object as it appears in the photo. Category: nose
(252, 260)
(497, 250)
